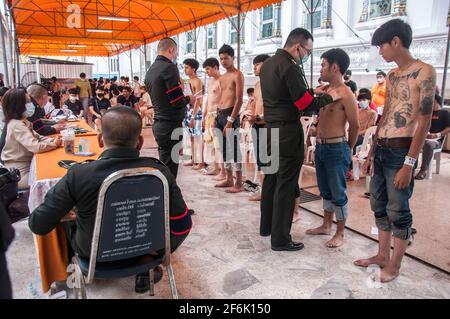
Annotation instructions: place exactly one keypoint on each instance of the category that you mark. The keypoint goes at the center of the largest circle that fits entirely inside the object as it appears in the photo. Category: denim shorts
(332, 164)
(391, 205)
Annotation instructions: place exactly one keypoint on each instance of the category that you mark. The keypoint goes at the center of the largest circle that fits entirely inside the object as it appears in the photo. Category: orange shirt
(379, 94)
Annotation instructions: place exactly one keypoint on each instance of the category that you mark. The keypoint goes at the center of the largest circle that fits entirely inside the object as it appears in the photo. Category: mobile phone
(67, 163)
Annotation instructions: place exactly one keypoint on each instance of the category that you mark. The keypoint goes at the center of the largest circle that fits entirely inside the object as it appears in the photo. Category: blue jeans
(391, 205)
(332, 164)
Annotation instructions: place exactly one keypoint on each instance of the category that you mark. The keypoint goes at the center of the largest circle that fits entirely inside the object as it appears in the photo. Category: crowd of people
(212, 115)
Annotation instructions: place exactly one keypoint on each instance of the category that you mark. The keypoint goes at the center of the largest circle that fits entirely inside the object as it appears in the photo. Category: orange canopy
(109, 27)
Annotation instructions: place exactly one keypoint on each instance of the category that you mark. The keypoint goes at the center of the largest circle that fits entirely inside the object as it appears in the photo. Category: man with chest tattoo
(399, 138)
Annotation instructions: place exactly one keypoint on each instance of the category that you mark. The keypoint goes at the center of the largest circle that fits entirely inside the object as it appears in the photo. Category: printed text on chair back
(133, 218)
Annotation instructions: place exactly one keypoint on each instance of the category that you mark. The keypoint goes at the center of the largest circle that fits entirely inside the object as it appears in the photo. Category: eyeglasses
(308, 51)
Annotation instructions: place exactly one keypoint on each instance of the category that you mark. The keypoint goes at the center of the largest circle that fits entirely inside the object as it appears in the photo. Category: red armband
(305, 101)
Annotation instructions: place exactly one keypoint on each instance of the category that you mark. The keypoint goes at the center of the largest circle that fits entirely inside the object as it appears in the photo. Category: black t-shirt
(127, 102)
(75, 107)
(440, 121)
(99, 105)
(352, 85)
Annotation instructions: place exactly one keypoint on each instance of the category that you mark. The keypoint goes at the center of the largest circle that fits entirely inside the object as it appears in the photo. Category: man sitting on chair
(121, 138)
(440, 127)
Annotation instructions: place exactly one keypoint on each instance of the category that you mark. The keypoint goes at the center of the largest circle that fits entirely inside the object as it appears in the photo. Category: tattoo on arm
(428, 87)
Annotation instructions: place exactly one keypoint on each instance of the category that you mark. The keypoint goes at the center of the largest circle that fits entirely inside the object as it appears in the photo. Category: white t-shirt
(147, 100)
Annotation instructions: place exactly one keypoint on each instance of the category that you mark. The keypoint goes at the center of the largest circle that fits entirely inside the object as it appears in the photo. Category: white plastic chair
(362, 151)
(437, 157)
(311, 150)
(306, 122)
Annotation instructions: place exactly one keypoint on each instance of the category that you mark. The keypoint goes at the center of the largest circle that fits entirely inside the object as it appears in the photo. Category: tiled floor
(224, 257)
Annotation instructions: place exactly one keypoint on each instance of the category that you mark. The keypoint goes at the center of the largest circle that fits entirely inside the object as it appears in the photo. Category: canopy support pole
(109, 66)
(312, 33)
(238, 29)
(131, 64)
(444, 78)
(38, 72)
(5, 62)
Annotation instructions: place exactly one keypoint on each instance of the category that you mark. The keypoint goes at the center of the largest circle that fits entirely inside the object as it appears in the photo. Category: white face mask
(72, 99)
(364, 105)
(30, 108)
(380, 81)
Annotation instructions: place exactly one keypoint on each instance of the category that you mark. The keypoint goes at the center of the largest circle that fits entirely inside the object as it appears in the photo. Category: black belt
(400, 142)
(227, 111)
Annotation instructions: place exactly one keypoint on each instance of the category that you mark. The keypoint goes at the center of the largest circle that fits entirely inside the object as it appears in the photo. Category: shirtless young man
(333, 151)
(232, 88)
(193, 119)
(256, 117)
(210, 105)
(401, 133)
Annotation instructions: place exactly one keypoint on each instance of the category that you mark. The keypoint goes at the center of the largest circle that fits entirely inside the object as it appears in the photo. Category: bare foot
(376, 260)
(322, 230)
(220, 178)
(190, 163)
(255, 198)
(296, 217)
(235, 190)
(213, 173)
(224, 184)
(386, 274)
(336, 241)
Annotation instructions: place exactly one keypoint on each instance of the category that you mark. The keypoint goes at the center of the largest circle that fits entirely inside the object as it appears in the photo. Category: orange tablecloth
(52, 248)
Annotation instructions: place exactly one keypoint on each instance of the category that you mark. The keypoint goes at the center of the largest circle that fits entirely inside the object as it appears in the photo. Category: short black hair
(193, 63)
(298, 35)
(136, 78)
(73, 91)
(121, 127)
(348, 72)
(3, 90)
(364, 94)
(250, 91)
(438, 98)
(226, 49)
(54, 78)
(381, 73)
(122, 77)
(82, 75)
(338, 56)
(13, 104)
(100, 88)
(260, 58)
(126, 88)
(391, 29)
(211, 62)
(165, 44)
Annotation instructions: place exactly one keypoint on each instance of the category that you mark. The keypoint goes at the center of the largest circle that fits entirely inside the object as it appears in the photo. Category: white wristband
(410, 161)
(230, 119)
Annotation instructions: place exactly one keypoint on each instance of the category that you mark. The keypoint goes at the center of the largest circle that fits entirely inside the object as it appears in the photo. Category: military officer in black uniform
(163, 84)
(286, 97)
(122, 140)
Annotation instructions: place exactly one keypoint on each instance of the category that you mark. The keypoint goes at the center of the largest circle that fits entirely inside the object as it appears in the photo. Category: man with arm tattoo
(400, 137)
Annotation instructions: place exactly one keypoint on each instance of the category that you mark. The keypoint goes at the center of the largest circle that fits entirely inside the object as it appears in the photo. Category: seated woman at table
(21, 141)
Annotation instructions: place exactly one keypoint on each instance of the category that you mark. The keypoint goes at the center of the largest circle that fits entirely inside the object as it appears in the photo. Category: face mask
(72, 99)
(364, 105)
(380, 81)
(301, 61)
(30, 108)
(100, 95)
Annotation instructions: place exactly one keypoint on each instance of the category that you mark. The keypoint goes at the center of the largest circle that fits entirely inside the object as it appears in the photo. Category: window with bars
(212, 36)
(233, 31)
(267, 22)
(190, 42)
(317, 15)
(379, 8)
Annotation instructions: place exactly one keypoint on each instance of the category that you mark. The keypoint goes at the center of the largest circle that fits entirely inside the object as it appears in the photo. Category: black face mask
(100, 95)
